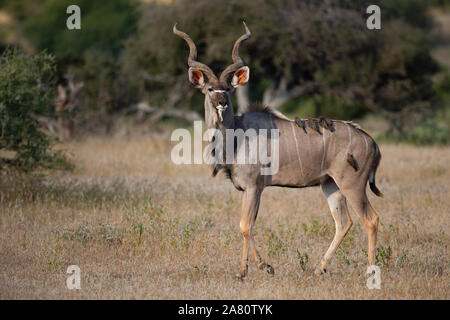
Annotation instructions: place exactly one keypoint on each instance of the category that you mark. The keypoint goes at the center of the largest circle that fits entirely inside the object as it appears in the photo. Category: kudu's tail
(372, 185)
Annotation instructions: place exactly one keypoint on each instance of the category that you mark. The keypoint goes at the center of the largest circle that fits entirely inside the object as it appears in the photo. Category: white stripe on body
(296, 146)
(324, 151)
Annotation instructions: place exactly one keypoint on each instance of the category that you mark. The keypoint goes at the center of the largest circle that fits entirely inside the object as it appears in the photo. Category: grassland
(139, 226)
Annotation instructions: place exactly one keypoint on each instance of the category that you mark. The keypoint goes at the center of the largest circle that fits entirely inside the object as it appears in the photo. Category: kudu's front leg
(250, 206)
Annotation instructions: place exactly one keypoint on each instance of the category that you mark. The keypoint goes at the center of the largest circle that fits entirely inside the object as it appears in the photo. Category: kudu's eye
(210, 89)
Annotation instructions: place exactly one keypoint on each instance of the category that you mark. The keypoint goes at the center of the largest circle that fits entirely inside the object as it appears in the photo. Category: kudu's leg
(250, 206)
(259, 261)
(362, 206)
(342, 220)
(360, 203)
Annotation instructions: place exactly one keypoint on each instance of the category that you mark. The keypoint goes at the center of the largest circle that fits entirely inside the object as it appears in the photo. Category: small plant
(305, 227)
(389, 232)
(109, 234)
(147, 205)
(203, 269)
(429, 200)
(342, 257)
(82, 233)
(403, 259)
(198, 271)
(291, 234)
(442, 237)
(275, 244)
(53, 257)
(137, 229)
(390, 229)
(230, 201)
(383, 255)
(161, 212)
(302, 259)
(188, 230)
(228, 238)
(24, 241)
(316, 228)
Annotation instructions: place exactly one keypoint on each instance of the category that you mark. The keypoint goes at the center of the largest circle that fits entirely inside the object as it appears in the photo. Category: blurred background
(126, 70)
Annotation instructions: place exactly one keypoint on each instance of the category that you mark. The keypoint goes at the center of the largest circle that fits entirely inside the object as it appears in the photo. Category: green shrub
(105, 25)
(428, 132)
(26, 92)
(302, 259)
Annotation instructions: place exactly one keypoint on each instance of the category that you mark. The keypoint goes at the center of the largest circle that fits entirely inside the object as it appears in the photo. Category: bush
(26, 92)
(428, 132)
(90, 54)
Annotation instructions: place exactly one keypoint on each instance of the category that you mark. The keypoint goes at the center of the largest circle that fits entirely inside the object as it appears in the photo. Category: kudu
(337, 155)
(65, 105)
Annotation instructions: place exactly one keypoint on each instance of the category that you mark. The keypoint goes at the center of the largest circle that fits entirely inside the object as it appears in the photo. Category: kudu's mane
(260, 107)
(313, 123)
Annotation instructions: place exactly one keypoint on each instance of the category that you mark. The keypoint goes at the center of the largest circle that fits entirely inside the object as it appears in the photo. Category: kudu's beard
(215, 152)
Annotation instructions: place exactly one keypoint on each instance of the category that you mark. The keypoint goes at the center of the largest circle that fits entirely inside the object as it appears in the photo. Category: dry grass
(140, 227)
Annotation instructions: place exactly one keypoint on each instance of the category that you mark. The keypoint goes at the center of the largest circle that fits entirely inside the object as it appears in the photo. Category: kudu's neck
(228, 116)
(227, 123)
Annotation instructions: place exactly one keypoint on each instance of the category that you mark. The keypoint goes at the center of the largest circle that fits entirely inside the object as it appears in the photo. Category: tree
(26, 92)
(298, 48)
(305, 52)
(90, 54)
(105, 26)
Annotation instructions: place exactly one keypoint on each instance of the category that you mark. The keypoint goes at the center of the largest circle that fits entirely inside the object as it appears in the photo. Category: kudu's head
(217, 90)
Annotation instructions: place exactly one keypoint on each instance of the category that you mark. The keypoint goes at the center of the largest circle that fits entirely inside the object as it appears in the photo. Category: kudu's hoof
(240, 277)
(320, 271)
(269, 269)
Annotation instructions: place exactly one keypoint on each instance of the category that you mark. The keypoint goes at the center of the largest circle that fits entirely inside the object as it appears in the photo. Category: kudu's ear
(241, 76)
(196, 78)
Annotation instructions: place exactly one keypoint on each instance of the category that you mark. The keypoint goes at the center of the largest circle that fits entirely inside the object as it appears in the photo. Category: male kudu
(337, 155)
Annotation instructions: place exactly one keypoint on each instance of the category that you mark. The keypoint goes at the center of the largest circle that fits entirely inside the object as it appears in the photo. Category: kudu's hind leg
(343, 222)
(250, 206)
(360, 203)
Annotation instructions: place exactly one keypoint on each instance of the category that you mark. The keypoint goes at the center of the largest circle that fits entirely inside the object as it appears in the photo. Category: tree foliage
(294, 43)
(105, 26)
(26, 92)
(91, 54)
(302, 53)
